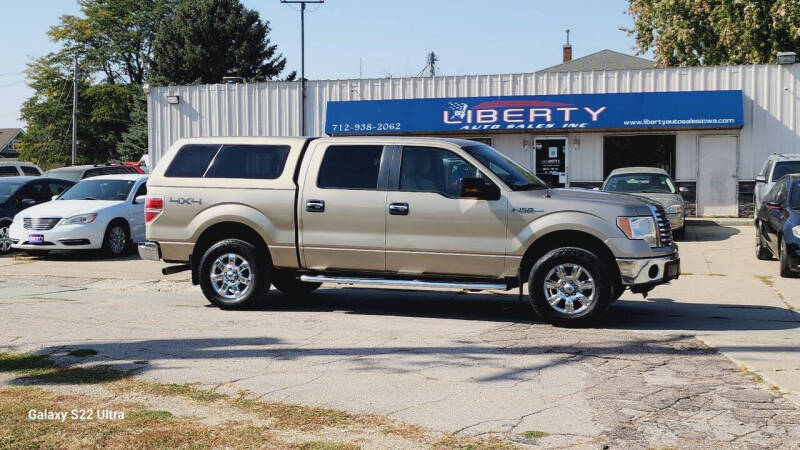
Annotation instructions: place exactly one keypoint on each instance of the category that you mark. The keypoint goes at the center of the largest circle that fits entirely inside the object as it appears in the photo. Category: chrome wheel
(117, 240)
(570, 289)
(5, 240)
(231, 276)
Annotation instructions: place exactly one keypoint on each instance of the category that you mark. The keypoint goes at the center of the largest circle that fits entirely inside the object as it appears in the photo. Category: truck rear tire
(233, 275)
(568, 287)
(288, 284)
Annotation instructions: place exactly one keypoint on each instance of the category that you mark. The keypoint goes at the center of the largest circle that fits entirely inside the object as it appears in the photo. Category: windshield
(7, 189)
(99, 190)
(785, 167)
(515, 176)
(65, 174)
(794, 197)
(649, 183)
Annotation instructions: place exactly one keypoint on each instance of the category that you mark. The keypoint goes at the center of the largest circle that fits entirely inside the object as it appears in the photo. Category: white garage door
(716, 180)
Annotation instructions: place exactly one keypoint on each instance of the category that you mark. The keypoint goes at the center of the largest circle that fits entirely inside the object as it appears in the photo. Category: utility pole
(432, 59)
(75, 113)
(302, 59)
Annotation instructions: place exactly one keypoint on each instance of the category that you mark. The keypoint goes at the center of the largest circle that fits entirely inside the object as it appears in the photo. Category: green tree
(114, 37)
(103, 115)
(205, 40)
(134, 141)
(712, 32)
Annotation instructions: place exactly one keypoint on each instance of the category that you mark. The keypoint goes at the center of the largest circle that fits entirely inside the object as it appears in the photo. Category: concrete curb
(721, 222)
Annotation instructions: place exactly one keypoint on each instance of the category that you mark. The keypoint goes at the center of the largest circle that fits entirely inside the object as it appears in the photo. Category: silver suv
(19, 168)
(776, 166)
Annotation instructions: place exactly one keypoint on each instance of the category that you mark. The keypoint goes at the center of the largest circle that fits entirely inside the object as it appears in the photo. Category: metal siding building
(770, 111)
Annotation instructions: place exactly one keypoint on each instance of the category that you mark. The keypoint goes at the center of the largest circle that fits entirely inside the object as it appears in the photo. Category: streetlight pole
(303, 59)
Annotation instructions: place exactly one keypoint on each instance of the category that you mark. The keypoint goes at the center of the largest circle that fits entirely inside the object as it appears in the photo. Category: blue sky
(388, 37)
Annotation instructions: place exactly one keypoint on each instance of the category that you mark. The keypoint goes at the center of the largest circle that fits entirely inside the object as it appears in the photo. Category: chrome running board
(406, 283)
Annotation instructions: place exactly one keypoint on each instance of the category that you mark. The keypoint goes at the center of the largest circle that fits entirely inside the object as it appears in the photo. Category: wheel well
(222, 231)
(570, 238)
(122, 222)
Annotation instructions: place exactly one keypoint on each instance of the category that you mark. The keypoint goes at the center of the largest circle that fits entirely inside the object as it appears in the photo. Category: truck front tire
(233, 275)
(568, 287)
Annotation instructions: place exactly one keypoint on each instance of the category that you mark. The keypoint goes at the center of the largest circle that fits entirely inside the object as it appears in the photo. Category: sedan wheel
(5, 240)
(786, 267)
(762, 252)
(116, 241)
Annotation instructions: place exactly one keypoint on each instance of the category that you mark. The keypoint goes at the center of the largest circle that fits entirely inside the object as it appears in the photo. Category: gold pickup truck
(244, 213)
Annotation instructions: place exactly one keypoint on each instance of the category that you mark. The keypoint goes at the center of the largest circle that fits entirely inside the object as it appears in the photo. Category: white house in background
(8, 142)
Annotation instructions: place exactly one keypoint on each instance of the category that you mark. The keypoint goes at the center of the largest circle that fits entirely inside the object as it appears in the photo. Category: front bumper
(649, 270)
(60, 237)
(150, 251)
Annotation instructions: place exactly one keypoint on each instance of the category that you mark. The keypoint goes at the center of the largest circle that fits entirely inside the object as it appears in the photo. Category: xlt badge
(527, 210)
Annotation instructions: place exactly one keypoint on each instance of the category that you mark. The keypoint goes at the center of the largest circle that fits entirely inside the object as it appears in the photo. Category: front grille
(664, 227)
(39, 224)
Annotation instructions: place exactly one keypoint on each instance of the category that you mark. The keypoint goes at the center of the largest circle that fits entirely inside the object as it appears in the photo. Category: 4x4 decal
(186, 200)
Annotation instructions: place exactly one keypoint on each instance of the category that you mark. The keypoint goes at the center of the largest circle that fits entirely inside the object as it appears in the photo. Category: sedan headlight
(83, 219)
(643, 228)
(675, 209)
(796, 231)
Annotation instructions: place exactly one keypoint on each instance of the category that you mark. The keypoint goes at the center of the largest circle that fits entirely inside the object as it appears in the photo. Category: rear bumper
(150, 251)
(650, 271)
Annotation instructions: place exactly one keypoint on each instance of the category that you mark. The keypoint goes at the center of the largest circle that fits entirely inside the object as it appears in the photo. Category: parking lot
(711, 359)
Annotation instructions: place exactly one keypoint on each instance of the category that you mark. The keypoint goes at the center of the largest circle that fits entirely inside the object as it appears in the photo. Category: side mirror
(27, 202)
(595, 188)
(55, 197)
(773, 205)
(683, 189)
(477, 188)
(761, 179)
(139, 199)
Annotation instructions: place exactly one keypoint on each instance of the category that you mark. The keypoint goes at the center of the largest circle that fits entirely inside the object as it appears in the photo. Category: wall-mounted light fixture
(787, 57)
(173, 99)
(576, 143)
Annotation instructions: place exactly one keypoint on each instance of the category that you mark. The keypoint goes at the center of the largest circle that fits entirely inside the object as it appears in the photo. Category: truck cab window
(427, 169)
(350, 167)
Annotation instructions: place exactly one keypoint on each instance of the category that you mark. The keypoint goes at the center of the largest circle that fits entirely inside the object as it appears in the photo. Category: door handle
(398, 209)
(315, 205)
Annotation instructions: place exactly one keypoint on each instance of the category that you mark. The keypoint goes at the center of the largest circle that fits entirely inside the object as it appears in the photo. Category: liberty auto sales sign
(644, 110)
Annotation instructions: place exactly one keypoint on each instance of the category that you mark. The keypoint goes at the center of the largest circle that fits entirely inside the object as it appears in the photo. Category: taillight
(153, 207)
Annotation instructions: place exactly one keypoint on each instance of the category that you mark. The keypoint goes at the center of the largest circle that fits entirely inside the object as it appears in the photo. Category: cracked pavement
(662, 372)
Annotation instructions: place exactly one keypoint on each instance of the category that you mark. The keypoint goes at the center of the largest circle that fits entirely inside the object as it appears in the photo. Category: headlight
(796, 231)
(675, 209)
(639, 228)
(83, 219)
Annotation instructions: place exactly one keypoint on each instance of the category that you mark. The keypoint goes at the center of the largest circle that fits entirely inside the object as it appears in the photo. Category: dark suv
(778, 225)
(18, 193)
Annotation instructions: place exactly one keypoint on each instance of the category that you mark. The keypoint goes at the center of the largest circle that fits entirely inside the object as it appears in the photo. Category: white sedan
(96, 213)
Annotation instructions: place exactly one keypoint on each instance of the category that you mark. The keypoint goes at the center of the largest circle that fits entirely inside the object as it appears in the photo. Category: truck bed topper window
(229, 161)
